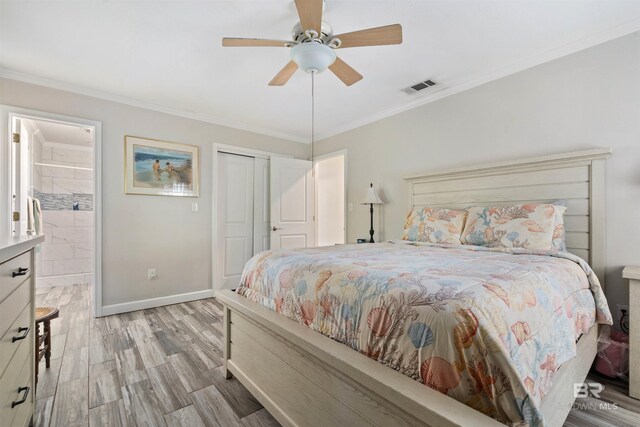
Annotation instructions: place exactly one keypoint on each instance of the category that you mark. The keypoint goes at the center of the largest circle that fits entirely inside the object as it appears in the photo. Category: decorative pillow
(559, 237)
(530, 226)
(434, 225)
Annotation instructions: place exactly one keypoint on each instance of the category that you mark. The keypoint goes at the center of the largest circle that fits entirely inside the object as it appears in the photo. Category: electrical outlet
(152, 274)
(622, 317)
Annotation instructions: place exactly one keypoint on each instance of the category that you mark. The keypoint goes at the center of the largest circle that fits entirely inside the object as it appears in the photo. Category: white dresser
(17, 329)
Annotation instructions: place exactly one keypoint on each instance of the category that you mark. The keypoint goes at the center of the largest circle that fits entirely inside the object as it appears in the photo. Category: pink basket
(613, 355)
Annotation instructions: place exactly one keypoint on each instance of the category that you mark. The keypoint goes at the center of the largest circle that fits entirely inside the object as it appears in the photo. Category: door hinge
(16, 216)
(16, 138)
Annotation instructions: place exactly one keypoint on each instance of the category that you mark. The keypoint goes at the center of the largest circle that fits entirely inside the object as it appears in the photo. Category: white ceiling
(62, 133)
(168, 56)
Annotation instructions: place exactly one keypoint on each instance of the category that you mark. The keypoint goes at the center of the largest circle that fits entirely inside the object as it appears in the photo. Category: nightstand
(633, 274)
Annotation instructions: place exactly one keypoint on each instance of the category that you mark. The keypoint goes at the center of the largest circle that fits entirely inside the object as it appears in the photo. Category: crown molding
(454, 88)
(81, 90)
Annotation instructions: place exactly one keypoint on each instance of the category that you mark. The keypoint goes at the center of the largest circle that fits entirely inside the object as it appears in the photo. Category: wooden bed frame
(306, 379)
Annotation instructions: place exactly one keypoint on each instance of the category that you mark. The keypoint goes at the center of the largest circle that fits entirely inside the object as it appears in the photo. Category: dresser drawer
(9, 345)
(13, 305)
(11, 275)
(17, 375)
(23, 417)
(22, 413)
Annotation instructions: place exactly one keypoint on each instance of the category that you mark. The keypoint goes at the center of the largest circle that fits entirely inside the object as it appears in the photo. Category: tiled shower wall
(66, 256)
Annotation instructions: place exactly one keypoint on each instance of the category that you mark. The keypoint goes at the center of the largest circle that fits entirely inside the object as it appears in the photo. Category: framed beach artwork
(160, 168)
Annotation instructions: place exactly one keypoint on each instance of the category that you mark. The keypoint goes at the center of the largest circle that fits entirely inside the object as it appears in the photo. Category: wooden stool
(43, 339)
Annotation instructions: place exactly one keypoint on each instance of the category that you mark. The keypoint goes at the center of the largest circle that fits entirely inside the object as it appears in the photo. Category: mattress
(487, 327)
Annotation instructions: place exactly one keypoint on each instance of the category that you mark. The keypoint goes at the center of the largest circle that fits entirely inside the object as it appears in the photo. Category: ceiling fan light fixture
(313, 42)
(313, 56)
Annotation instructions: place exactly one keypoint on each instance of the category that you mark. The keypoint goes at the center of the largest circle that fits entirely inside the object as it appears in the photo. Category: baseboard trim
(142, 304)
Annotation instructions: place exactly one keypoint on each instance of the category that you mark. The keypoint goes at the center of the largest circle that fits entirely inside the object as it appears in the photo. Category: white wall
(140, 232)
(330, 188)
(585, 100)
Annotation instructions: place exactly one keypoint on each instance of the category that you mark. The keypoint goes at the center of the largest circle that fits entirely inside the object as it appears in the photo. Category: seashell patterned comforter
(488, 327)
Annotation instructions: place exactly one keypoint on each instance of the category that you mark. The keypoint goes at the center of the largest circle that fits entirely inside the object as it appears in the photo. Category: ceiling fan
(313, 44)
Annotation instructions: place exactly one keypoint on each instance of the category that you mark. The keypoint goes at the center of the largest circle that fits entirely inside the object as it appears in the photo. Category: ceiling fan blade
(284, 75)
(389, 34)
(344, 72)
(240, 42)
(310, 13)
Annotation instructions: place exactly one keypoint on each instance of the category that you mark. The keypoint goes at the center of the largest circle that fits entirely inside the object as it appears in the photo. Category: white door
(261, 211)
(291, 204)
(21, 176)
(235, 216)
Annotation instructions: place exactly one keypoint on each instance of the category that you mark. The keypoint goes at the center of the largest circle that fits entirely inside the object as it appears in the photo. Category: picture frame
(161, 168)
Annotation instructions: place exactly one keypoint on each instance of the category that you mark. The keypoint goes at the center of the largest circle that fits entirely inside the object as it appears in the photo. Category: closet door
(261, 211)
(235, 216)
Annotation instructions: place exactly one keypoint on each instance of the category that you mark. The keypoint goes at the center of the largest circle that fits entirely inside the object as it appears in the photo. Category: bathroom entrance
(63, 185)
(52, 191)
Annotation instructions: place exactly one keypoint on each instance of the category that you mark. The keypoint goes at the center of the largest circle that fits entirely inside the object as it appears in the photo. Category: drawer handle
(24, 396)
(25, 332)
(21, 272)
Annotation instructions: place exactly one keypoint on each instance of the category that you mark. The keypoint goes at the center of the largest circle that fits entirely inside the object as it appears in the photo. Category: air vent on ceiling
(420, 86)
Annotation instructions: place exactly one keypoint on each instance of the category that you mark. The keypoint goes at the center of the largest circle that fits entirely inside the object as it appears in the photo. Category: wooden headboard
(576, 177)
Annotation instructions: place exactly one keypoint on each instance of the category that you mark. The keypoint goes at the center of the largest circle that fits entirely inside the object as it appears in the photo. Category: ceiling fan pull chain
(313, 137)
(313, 124)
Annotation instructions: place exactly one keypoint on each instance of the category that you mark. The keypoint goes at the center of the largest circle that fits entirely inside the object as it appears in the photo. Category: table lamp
(372, 199)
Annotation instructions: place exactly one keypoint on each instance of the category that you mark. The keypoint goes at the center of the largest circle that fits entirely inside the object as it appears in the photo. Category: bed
(304, 377)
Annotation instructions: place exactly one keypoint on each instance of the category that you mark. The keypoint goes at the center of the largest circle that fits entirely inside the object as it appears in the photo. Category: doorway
(63, 184)
(53, 188)
(331, 179)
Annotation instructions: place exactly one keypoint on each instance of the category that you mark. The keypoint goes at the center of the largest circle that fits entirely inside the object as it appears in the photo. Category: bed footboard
(306, 379)
(559, 401)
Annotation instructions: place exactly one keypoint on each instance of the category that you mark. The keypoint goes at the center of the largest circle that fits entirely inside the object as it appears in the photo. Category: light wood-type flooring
(162, 367)
(156, 367)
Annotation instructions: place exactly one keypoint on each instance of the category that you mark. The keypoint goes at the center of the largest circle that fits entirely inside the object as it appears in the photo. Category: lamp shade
(372, 197)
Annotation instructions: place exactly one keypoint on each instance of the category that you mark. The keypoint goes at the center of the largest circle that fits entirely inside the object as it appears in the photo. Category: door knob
(275, 228)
